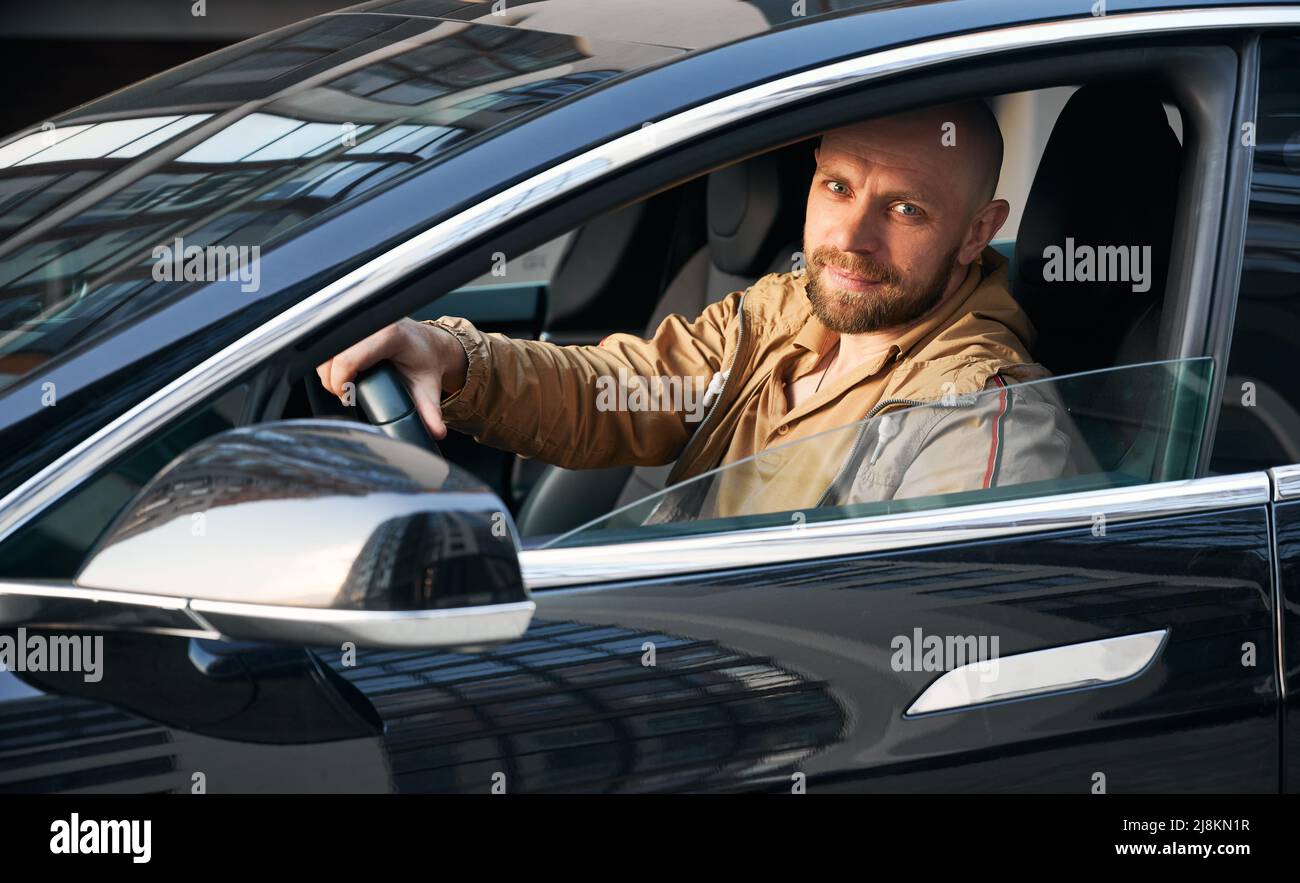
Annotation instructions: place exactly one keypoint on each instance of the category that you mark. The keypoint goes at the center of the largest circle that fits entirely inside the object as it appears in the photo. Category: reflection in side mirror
(317, 532)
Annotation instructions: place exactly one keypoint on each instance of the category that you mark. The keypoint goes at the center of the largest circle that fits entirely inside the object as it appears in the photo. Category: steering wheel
(387, 405)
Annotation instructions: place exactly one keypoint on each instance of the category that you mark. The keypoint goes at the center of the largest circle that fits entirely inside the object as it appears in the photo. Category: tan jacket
(554, 403)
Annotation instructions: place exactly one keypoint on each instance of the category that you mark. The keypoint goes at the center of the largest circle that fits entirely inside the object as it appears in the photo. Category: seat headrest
(755, 207)
(1108, 177)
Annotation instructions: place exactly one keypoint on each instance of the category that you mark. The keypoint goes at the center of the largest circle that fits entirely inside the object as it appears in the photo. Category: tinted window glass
(1082, 432)
(1259, 425)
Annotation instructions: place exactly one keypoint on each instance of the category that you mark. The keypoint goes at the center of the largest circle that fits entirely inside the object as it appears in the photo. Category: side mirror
(309, 532)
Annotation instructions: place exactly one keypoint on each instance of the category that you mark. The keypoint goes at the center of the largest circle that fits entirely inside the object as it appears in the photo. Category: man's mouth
(845, 279)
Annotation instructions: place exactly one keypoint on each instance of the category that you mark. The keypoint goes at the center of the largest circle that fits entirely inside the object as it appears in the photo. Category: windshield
(185, 179)
(1088, 431)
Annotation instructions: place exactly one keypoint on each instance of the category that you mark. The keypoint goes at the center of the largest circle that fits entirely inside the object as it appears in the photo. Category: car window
(1259, 424)
(508, 297)
(1088, 431)
(536, 266)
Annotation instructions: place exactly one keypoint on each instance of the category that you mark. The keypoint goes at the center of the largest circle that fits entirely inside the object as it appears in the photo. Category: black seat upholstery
(1108, 177)
(755, 212)
(755, 215)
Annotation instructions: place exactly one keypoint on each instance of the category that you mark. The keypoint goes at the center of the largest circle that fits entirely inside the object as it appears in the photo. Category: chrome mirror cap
(320, 531)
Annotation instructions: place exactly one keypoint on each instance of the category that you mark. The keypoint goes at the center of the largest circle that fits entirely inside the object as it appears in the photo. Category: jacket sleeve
(562, 404)
(1010, 435)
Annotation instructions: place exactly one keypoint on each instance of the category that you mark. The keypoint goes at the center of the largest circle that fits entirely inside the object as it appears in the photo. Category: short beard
(851, 312)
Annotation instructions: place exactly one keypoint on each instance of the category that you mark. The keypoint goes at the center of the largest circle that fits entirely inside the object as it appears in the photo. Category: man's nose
(859, 233)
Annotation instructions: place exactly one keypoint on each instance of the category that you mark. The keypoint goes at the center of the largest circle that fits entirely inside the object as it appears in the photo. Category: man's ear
(984, 226)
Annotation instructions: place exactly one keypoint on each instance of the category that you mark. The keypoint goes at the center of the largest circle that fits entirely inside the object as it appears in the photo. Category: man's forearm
(540, 400)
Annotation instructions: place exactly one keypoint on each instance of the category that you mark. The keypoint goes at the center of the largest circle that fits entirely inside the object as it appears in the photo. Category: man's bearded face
(855, 294)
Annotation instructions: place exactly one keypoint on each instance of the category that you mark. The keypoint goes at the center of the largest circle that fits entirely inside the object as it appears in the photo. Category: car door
(1129, 630)
(1092, 633)
(788, 655)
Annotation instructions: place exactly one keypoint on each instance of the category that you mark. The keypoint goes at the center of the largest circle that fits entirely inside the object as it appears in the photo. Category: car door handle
(1037, 673)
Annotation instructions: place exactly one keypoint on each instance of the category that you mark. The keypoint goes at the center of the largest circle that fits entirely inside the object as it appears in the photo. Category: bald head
(962, 137)
(898, 210)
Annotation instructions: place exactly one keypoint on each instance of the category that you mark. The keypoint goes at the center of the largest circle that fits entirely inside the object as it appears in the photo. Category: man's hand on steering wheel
(430, 360)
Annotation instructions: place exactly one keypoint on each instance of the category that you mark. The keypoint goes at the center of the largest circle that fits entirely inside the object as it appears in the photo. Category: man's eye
(833, 184)
(906, 208)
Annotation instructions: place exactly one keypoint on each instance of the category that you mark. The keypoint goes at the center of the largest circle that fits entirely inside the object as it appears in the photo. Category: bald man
(902, 307)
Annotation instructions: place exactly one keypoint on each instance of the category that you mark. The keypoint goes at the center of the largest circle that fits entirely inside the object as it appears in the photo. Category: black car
(271, 590)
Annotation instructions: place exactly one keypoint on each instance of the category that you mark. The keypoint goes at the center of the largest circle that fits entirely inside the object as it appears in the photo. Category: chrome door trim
(1041, 673)
(802, 541)
(1276, 594)
(96, 451)
(1286, 482)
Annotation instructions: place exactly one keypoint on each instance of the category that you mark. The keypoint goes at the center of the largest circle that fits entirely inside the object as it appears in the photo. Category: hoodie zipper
(887, 402)
(857, 442)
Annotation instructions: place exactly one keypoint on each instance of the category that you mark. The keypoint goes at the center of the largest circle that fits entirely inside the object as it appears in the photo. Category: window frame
(577, 566)
(1231, 248)
(1284, 477)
